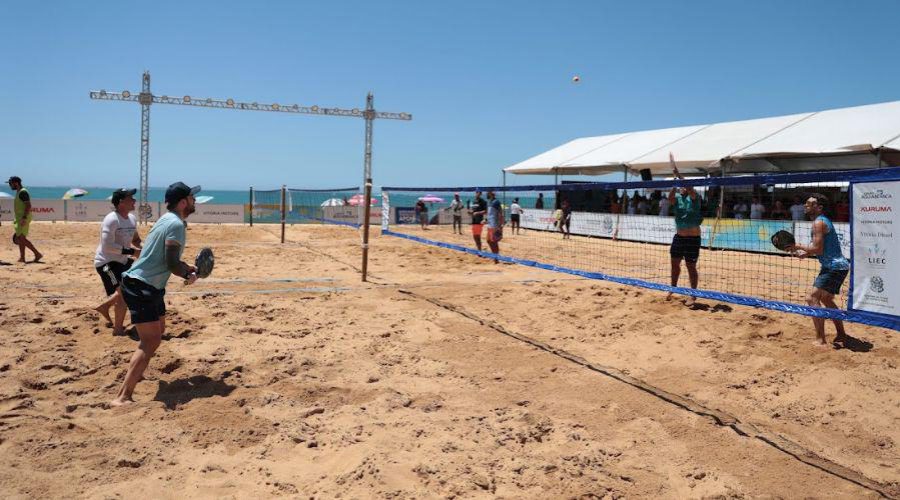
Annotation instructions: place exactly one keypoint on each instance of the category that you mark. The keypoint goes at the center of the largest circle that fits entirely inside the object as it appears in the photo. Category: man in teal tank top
(22, 219)
(686, 242)
(827, 248)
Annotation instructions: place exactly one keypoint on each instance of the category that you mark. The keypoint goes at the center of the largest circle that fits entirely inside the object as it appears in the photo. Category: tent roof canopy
(833, 139)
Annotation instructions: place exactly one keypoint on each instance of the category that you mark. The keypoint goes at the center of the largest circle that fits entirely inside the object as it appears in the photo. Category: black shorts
(831, 280)
(685, 247)
(111, 274)
(514, 217)
(145, 303)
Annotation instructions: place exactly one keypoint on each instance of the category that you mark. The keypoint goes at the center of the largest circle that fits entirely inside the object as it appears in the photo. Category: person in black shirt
(422, 214)
(478, 211)
(540, 201)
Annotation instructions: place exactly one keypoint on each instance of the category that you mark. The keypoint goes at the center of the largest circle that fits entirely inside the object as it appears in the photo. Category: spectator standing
(664, 207)
(515, 214)
(455, 208)
(741, 209)
(757, 209)
(798, 209)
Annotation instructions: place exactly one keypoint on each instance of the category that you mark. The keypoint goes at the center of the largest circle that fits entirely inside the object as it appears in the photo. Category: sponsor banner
(48, 210)
(219, 214)
(876, 247)
(803, 234)
(351, 215)
(745, 234)
(88, 211)
(405, 215)
(646, 228)
(540, 219)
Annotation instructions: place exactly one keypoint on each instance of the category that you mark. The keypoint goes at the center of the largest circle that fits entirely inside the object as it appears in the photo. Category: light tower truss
(146, 98)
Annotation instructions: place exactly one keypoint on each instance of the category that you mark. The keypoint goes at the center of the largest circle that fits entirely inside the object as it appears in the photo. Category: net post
(365, 243)
(719, 210)
(283, 189)
(251, 206)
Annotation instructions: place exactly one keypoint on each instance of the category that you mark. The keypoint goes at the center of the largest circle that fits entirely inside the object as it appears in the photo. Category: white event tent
(838, 139)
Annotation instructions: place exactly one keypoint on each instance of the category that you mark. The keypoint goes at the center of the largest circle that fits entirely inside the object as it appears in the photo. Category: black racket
(783, 240)
(204, 262)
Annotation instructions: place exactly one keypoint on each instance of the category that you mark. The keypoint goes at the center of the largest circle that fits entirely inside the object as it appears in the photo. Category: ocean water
(227, 197)
(155, 194)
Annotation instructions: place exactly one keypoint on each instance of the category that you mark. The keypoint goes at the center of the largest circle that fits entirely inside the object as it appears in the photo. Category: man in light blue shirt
(144, 285)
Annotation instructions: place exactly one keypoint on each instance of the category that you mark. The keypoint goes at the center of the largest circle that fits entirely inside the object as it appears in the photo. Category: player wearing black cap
(22, 219)
(144, 285)
(119, 245)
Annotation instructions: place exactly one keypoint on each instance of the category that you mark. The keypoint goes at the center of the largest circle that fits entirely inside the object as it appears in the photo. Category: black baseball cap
(120, 194)
(14, 178)
(179, 191)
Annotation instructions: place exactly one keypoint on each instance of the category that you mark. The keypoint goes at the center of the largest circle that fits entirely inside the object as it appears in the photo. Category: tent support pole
(879, 157)
(720, 209)
(504, 187)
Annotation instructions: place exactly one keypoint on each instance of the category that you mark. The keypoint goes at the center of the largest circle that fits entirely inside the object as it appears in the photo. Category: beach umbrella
(430, 198)
(332, 202)
(74, 193)
(357, 200)
(5, 195)
(203, 199)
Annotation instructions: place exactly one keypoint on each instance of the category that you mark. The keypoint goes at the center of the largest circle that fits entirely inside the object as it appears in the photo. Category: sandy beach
(444, 376)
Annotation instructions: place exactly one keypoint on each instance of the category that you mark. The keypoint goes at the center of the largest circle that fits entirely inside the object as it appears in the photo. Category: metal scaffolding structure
(146, 98)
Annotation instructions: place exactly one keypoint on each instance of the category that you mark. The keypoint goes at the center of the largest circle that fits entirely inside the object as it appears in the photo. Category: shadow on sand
(184, 390)
(854, 344)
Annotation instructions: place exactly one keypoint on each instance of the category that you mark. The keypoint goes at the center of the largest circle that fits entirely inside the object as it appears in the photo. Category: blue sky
(488, 83)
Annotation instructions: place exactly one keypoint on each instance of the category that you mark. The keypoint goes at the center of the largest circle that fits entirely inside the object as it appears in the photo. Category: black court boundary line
(719, 417)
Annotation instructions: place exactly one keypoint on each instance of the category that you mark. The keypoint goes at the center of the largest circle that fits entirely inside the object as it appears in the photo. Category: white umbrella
(333, 202)
(5, 195)
(74, 193)
(203, 199)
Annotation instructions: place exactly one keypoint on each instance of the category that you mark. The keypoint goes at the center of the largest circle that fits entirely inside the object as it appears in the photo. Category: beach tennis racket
(204, 262)
(783, 240)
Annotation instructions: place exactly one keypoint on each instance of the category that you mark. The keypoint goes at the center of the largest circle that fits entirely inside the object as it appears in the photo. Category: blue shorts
(145, 303)
(831, 280)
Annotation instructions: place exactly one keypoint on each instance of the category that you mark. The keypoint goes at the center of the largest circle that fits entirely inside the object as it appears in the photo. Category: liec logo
(877, 194)
(875, 255)
(607, 224)
(877, 284)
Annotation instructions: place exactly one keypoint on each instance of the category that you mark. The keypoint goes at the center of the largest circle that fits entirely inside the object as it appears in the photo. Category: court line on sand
(719, 417)
(310, 289)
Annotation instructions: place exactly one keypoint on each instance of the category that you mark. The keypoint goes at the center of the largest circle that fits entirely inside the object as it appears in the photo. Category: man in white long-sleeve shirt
(119, 245)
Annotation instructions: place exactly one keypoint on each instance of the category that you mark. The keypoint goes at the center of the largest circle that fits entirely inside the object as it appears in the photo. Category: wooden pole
(251, 206)
(282, 211)
(367, 211)
(712, 237)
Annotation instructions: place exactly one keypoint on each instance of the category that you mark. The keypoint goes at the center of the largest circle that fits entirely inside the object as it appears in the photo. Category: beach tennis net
(340, 206)
(626, 232)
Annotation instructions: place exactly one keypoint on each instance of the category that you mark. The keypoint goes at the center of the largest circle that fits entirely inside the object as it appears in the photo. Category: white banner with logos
(218, 214)
(351, 215)
(87, 211)
(649, 228)
(876, 247)
(42, 210)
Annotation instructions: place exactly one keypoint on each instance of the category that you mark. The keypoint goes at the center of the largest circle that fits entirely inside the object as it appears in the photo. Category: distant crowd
(756, 208)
